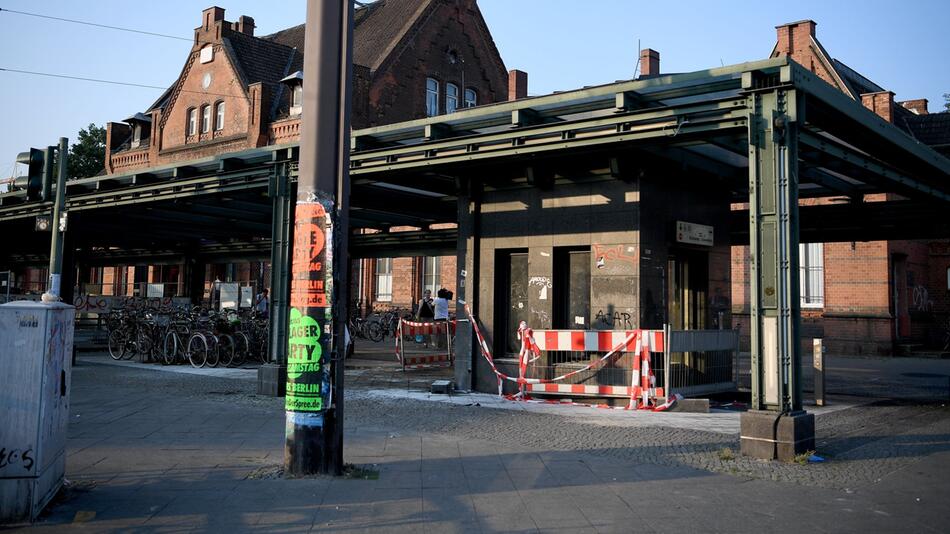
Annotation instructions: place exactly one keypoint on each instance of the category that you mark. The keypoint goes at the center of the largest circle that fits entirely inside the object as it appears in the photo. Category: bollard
(819, 372)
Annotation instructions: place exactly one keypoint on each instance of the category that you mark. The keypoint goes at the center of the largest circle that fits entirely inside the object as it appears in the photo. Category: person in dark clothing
(426, 312)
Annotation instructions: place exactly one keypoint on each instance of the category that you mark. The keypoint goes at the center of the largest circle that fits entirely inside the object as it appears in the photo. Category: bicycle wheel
(224, 351)
(242, 344)
(374, 331)
(197, 350)
(131, 344)
(143, 344)
(117, 344)
(170, 348)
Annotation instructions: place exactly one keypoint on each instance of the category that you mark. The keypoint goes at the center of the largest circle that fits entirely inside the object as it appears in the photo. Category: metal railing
(699, 362)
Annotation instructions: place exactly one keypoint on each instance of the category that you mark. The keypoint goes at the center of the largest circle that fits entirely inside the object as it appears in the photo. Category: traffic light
(38, 181)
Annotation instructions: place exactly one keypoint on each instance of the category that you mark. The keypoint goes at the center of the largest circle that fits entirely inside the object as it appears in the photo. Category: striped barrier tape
(631, 337)
(413, 328)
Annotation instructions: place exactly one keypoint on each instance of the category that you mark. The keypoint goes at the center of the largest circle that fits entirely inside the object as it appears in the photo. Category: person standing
(441, 313)
(262, 303)
(426, 312)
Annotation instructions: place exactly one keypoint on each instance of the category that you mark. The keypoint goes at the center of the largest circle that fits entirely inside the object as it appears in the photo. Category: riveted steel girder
(773, 229)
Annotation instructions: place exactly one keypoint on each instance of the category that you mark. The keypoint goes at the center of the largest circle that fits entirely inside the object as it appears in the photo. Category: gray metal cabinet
(36, 341)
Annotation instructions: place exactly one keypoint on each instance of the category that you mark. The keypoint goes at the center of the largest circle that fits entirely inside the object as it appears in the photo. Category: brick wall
(398, 91)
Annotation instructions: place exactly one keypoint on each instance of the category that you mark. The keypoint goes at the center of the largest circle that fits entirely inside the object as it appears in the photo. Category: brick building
(863, 297)
(238, 91)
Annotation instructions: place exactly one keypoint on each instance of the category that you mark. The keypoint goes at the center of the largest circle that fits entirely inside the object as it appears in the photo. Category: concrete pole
(314, 399)
(53, 290)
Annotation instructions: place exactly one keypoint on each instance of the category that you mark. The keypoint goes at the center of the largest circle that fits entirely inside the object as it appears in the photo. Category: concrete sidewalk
(154, 451)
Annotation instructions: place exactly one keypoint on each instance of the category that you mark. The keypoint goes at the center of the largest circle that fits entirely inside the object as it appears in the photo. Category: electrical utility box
(36, 344)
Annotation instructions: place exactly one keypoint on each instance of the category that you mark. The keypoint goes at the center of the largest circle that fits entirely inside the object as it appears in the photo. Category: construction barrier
(434, 329)
(642, 391)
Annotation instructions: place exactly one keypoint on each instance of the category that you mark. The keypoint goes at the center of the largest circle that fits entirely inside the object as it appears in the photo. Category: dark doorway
(511, 299)
(571, 288)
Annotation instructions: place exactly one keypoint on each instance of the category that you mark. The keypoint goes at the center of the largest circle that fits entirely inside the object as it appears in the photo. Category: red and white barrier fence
(417, 328)
(642, 391)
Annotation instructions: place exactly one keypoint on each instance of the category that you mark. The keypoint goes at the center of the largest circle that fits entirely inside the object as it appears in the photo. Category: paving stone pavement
(153, 451)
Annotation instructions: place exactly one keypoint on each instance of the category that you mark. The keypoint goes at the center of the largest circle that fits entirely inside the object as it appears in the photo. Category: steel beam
(688, 119)
(849, 160)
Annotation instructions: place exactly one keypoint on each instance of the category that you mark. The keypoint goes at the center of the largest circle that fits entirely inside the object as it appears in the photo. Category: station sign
(694, 234)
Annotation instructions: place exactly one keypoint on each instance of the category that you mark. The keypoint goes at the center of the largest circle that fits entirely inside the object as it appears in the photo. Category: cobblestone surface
(862, 445)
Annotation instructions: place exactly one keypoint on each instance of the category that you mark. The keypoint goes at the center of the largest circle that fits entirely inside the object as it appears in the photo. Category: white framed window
(451, 97)
(219, 116)
(432, 97)
(296, 97)
(192, 121)
(811, 265)
(136, 135)
(471, 98)
(205, 118)
(431, 274)
(948, 278)
(384, 279)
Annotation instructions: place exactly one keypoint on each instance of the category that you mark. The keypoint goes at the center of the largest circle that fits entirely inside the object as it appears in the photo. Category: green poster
(304, 370)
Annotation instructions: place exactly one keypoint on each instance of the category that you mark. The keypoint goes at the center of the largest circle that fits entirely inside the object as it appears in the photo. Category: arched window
(219, 116)
(471, 98)
(205, 118)
(432, 97)
(192, 121)
(451, 97)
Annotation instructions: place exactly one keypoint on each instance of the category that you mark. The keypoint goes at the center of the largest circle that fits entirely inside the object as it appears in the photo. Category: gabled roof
(259, 60)
(377, 28)
(856, 81)
(932, 129)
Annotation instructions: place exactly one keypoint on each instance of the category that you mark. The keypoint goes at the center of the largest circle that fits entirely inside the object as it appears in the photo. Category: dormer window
(192, 121)
(294, 84)
(141, 125)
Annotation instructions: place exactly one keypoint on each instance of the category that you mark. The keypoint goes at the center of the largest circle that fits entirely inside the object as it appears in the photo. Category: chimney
(881, 103)
(210, 16)
(649, 63)
(794, 37)
(245, 25)
(918, 106)
(517, 84)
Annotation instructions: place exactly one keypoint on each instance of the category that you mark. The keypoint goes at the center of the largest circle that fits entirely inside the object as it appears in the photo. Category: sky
(562, 44)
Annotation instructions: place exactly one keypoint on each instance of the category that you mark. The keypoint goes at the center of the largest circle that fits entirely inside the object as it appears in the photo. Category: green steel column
(776, 426)
(281, 224)
(773, 226)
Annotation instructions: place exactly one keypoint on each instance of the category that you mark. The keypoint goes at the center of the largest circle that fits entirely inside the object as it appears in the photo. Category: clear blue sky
(562, 44)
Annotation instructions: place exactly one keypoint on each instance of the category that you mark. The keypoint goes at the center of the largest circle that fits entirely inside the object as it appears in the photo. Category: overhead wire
(87, 23)
(114, 82)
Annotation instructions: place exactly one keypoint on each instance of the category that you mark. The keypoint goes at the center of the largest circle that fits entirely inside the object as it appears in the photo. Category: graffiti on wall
(543, 283)
(921, 299)
(615, 321)
(607, 254)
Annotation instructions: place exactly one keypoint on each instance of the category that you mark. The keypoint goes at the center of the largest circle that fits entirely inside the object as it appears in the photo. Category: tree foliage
(946, 104)
(87, 156)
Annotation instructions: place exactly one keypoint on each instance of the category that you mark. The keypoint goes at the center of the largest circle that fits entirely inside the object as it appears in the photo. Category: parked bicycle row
(198, 337)
(377, 326)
